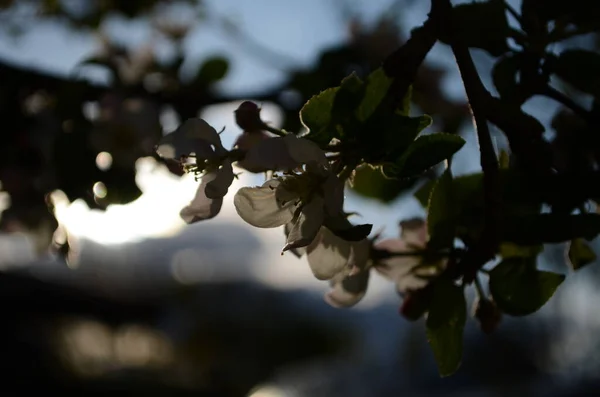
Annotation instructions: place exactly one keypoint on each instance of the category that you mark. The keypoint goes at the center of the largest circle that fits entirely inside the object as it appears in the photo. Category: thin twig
(476, 94)
(274, 130)
(513, 12)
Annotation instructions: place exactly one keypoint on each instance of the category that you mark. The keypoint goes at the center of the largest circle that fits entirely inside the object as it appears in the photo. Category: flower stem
(275, 131)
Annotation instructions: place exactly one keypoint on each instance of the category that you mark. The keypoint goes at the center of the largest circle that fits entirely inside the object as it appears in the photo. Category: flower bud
(416, 303)
(247, 117)
(487, 313)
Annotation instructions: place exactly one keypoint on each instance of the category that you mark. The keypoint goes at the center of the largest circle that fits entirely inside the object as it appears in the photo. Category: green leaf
(519, 288)
(481, 25)
(504, 75)
(510, 250)
(424, 192)
(580, 68)
(441, 216)
(212, 70)
(370, 182)
(424, 153)
(377, 86)
(580, 254)
(316, 116)
(535, 229)
(445, 325)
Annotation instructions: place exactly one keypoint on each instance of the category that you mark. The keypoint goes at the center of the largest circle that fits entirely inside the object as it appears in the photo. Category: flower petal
(400, 268)
(298, 252)
(304, 151)
(247, 140)
(348, 291)
(193, 136)
(258, 206)
(198, 129)
(201, 207)
(306, 227)
(328, 255)
(218, 187)
(268, 154)
(414, 233)
(333, 189)
(360, 255)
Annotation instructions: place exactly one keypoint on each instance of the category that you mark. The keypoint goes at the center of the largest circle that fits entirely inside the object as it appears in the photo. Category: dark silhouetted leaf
(316, 116)
(445, 325)
(550, 228)
(580, 254)
(370, 182)
(504, 75)
(482, 25)
(424, 153)
(441, 216)
(519, 288)
(377, 86)
(510, 250)
(212, 70)
(580, 68)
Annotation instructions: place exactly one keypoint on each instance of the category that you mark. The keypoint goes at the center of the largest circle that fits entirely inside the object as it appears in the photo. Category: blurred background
(140, 303)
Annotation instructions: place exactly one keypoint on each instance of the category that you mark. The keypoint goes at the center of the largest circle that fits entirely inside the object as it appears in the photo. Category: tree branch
(564, 100)
(476, 94)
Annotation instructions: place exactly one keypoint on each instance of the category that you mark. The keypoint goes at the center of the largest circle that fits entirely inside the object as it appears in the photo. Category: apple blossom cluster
(305, 196)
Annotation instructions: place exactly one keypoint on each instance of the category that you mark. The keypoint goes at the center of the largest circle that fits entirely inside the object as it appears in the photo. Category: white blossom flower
(408, 272)
(193, 137)
(349, 284)
(201, 207)
(197, 138)
(304, 201)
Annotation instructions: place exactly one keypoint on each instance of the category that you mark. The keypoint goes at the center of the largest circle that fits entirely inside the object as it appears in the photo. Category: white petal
(201, 207)
(296, 251)
(247, 140)
(304, 151)
(414, 233)
(258, 206)
(328, 255)
(198, 129)
(179, 143)
(348, 291)
(410, 282)
(306, 227)
(361, 252)
(333, 188)
(218, 187)
(268, 154)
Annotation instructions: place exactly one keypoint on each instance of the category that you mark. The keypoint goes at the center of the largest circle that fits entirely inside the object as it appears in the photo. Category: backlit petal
(304, 151)
(201, 207)
(306, 227)
(328, 255)
(348, 291)
(258, 206)
(268, 154)
(218, 187)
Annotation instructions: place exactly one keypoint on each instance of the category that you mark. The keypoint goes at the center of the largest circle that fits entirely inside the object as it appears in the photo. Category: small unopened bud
(247, 117)
(416, 303)
(487, 313)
